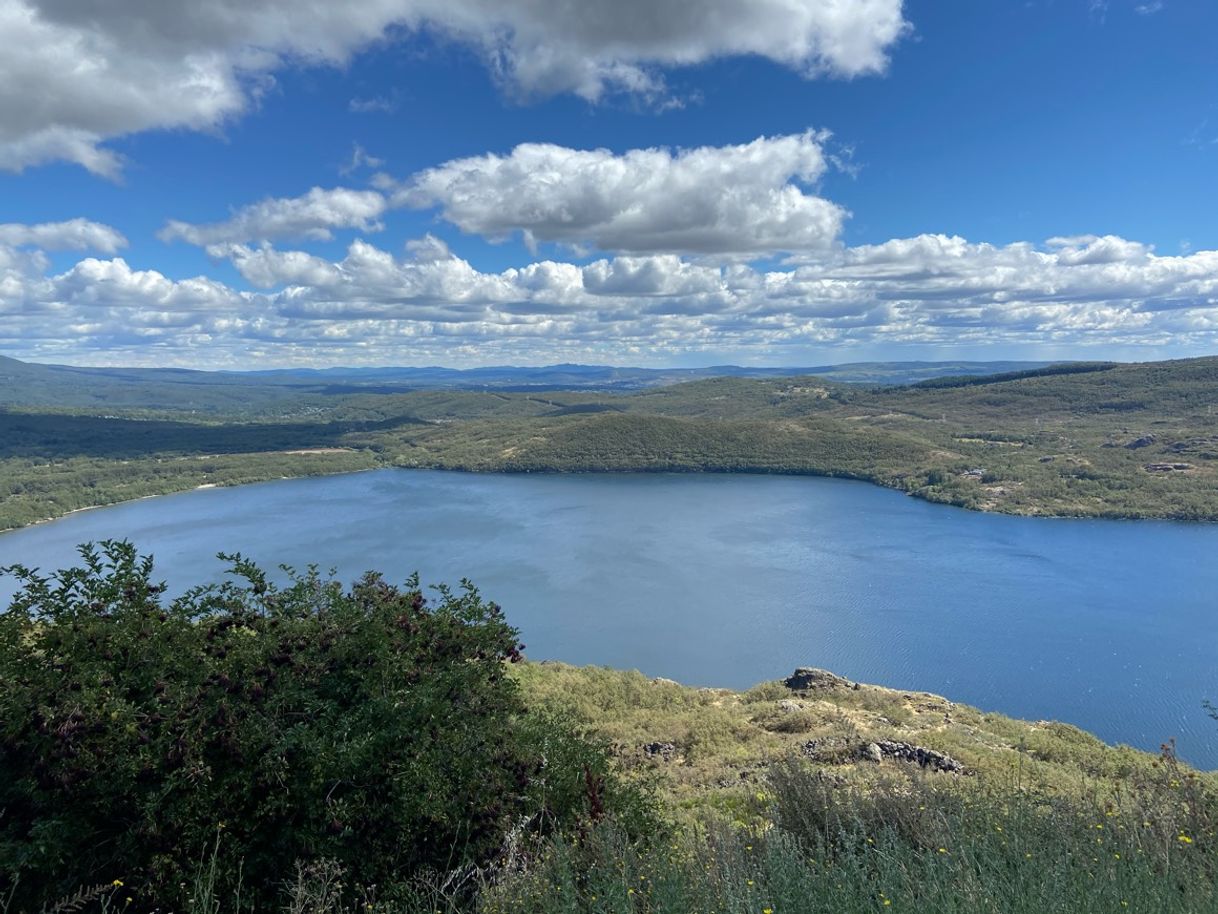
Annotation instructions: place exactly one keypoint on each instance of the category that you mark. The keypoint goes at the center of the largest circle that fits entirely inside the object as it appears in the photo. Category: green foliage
(260, 726)
(923, 845)
(32, 489)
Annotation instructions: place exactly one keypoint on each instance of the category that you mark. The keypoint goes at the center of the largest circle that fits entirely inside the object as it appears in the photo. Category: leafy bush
(257, 726)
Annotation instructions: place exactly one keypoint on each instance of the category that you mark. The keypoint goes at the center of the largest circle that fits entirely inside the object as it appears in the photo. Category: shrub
(263, 726)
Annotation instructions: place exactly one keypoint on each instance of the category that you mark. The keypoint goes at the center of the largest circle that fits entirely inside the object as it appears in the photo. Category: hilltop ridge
(1079, 439)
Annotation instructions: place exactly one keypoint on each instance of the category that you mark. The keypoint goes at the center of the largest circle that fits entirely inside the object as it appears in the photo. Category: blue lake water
(730, 580)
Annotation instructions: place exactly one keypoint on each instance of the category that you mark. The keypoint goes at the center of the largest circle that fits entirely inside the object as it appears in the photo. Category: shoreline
(631, 472)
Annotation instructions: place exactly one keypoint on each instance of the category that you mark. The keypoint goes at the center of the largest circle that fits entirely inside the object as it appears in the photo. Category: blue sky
(780, 182)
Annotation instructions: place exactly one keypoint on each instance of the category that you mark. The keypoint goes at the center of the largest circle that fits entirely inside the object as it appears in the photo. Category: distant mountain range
(34, 384)
(607, 377)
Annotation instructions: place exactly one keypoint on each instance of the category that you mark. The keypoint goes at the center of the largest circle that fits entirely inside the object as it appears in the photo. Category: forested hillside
(1099, 440)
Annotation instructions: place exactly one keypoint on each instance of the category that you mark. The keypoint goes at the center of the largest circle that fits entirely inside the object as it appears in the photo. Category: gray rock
(806, 678)
(1144, 441)
(872, 753)
(790, 706)
(919, 755)
(665, 752)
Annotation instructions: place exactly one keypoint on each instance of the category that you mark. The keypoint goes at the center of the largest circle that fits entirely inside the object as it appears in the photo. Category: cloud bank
(738, 201)
(428, 305)
(744, 199)
(312, 216)
(72, 235)
(75, 73)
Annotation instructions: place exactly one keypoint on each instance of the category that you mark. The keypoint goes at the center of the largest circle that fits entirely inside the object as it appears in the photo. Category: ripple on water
(730, 580)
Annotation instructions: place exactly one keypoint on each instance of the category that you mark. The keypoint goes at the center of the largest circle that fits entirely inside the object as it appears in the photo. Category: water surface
(729, 580)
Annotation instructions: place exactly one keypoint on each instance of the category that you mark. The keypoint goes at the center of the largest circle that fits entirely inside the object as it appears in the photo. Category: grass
(934, 850)
(1046, 819)
(725, 742)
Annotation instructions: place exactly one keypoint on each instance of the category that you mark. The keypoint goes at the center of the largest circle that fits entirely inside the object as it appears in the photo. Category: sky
(237, 184)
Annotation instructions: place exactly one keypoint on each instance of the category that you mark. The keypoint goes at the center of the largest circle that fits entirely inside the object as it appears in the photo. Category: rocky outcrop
(907, 752)
(1204, 447)
(1167, 467)
(1144, 441)
(872, 753)
(837, 751)
(807, 679)
(664, 752)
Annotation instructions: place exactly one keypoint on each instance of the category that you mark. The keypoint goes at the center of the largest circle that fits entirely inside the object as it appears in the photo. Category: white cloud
(428, 248)
(360, 158)
(1086, 249)
(378, 104)
(910, 294)
(94, 283)
(312, 216)
(743, 200)
(74, 234)
(75, 73)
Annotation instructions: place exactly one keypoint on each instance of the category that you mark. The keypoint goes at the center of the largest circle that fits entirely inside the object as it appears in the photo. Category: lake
(728, 580)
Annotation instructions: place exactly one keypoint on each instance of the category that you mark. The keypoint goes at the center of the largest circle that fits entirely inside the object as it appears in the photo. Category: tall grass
(926, 845)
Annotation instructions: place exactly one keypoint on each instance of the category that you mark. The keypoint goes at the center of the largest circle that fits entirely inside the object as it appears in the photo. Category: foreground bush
(244, 730)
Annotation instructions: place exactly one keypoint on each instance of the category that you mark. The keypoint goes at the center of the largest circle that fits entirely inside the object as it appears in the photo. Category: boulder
(808, 678)
(872, 753)
(1144, 441)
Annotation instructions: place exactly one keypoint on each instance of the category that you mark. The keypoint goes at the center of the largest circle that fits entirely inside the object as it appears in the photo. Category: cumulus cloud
(738, 200)
(428, 305)
(99, 69)
(74, 234)
(112, 284)
(313, 216)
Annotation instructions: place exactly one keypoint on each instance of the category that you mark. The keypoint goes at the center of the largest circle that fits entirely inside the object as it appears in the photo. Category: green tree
(366, 725)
